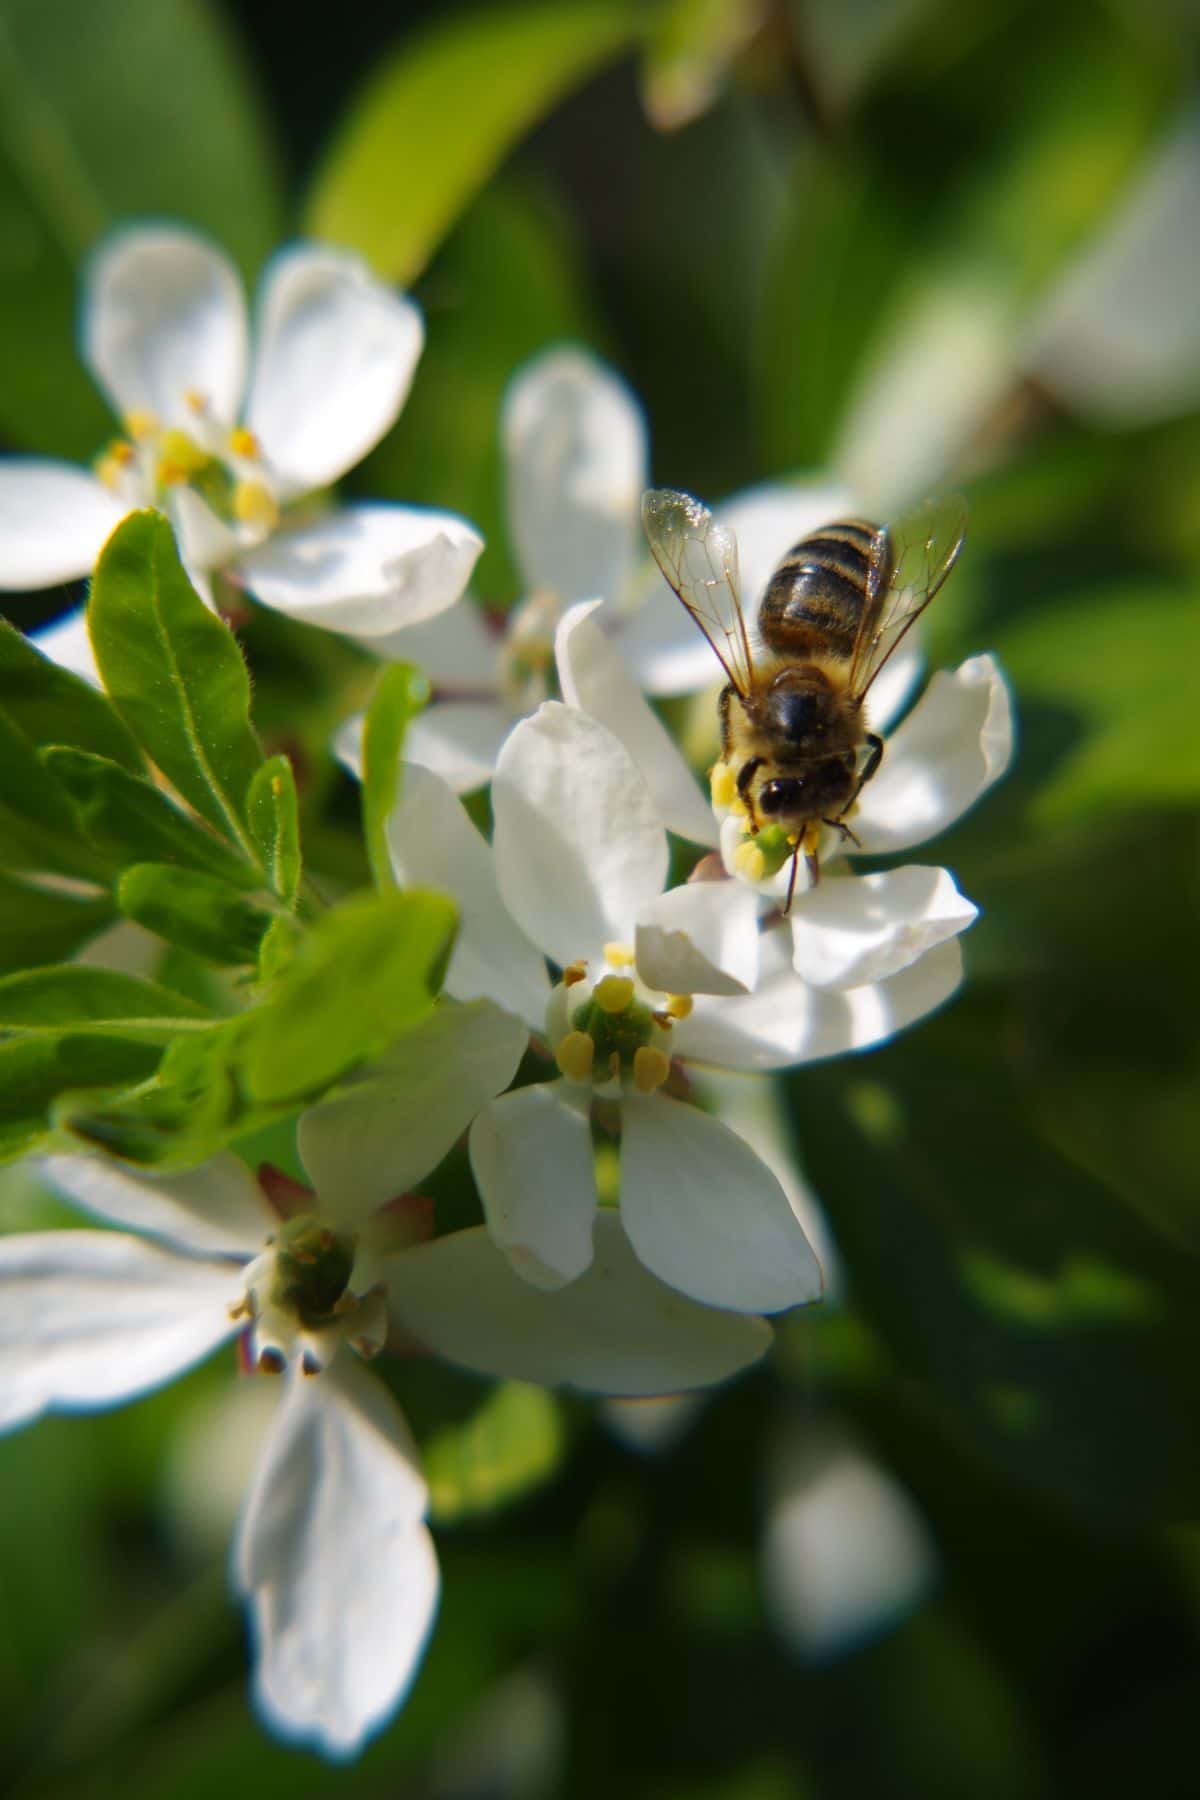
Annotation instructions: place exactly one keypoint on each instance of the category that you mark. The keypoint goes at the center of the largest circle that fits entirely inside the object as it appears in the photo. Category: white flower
(226, 449)
(651, 982)
(332, 1552)
(575, 453)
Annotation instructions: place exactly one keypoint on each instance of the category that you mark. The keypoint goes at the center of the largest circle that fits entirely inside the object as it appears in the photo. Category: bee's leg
(841, 825)
(869, 767)
(813, 870)
(745, 776)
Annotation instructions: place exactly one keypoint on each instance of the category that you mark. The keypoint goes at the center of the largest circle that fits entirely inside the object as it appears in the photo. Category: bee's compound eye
(781, 797)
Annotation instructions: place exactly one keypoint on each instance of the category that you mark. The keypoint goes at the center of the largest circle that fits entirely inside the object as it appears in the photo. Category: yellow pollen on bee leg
(254, 504)
(650, 1069)
(613, 993)
(723, 785)
(574, 1055)
(749, 861)
(243, 442)
(140, 425)
(680, 1005)
(619, 956)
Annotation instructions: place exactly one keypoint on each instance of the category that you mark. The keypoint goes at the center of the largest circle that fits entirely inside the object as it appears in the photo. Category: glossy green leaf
(274, 816)
(1026, 1303)
(138, 108)
(399, 696)
(42, 925)
(175, 673)
(511, 1445)
(39, 827)
(131, 820)
(53, 706)
(450, 103)
(200, 913)
(366, 973)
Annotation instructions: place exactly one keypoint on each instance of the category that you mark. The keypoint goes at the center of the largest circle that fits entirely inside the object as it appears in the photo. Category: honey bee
(794, 727)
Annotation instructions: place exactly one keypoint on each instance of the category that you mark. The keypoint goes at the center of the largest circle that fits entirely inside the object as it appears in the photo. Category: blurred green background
(944, 1543)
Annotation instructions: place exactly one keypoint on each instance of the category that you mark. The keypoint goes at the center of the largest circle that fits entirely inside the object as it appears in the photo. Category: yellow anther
(722, 784)
(178, 451)
(680, 1005)
(140, 425)
(749, 861)
(195, 401)
(243, 442)
(619, 956)
(613, 994)
(650, 1069)
(576, 971)
(254, 504)
(574, 1055)
(121, 452)
(109, 470)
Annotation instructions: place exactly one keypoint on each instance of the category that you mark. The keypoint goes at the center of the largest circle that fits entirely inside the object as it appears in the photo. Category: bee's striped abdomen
(814, 602)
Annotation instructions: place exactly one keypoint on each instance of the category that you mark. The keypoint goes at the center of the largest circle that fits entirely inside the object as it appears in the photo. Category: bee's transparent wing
(910, 559)
(699, 559)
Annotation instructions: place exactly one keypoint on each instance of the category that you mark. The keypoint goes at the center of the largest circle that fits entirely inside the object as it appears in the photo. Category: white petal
(68, 644)
(531, 1155)
(579, 847)
(662, 644)
(594, 678)
(331, 1554)
(701, 938)
(54, 521)
(434, 844)
(614, 1331)
(335, 356)
(205, 540)
(845, 1552)
(165, 315)
(460, 740)
(706, 1215)
(394, 1125)
(853, 929)
(955, 743)
(93, 1317)
(216, 1210)
(456, 648)
(575, 448)
(785, 1021)
(365, 570)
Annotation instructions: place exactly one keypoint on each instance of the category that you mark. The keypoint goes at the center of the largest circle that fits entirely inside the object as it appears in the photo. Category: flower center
(225, 468)
(616, 1028)
(527, 653)
(304, 1296)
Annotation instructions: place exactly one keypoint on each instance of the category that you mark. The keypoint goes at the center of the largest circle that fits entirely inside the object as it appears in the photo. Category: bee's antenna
(787, 905)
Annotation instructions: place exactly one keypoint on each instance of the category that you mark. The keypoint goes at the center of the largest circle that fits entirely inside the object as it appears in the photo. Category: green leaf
(200, 913)
(452, 101)
(687, 59)
(274, 816)
(399, 696)
(191, 1107)
(53, 706)
(175, 673)
(130, 819)
(137, 108)
(84, 998)
(38, 1067)
(365, 974)
(512, 1444)
(39, 827)
(41, 925)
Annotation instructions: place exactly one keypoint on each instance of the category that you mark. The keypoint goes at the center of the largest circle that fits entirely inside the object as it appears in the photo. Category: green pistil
(625, 1032)
(313, 1268)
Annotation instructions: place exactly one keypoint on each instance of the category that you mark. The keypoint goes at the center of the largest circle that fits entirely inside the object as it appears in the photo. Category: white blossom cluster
(578, 958)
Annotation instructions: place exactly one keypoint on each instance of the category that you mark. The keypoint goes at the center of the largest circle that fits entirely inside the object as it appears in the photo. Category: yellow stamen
(650, 1069)
(108, 471)
(574, 1055)
(680, 1005)
(619, 956)
(613, 994)
(576, 971)
(254, 504)
(140, 425)
(243, 442)
(723, 785)
(181, 452)
(749, 861)
(195, 401)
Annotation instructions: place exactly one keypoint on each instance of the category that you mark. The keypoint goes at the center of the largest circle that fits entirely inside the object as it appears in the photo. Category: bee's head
(782, 796)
